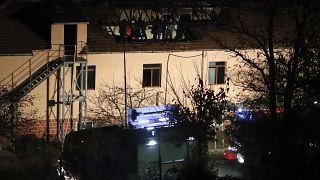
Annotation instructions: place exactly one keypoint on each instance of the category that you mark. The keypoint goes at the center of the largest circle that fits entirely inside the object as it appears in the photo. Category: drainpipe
(125, 90)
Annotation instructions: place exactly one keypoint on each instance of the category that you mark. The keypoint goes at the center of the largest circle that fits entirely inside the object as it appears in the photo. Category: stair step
(32, 81)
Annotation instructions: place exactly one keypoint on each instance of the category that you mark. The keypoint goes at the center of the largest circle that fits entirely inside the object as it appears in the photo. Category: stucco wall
(57, 33)
(82, 32)
(183, 68)
(10, 63)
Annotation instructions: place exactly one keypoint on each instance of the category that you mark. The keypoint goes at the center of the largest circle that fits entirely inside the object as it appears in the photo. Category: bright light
(150, 128)
(315, 102)
(153, 133)
(190, 138)
(152, 143)
(232, 148)
(143, 121)
(163, 119)
(240, 110)
(240, 158)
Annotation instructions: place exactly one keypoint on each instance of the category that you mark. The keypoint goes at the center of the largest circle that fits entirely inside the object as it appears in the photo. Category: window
(216, 72)
(91, 81)
(151, 75)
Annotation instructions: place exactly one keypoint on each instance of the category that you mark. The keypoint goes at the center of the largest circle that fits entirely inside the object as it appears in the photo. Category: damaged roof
(27, 26)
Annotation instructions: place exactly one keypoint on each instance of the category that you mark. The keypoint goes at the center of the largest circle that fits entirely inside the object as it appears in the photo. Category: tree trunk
(273, 103)
(202, 154)
(288, 95)
(292, 74)
(272, 67)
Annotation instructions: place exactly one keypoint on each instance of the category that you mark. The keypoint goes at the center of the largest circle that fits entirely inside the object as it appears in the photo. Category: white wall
(183, 68)
(110, 69)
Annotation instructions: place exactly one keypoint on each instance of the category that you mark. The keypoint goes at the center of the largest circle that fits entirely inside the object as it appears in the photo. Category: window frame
(215, 66)
(89, 69)
(152, 68)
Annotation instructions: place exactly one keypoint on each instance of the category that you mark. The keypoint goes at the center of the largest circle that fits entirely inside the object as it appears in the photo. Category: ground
(28, 166)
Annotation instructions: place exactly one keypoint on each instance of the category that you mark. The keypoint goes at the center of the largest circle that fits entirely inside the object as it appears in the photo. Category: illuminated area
(151, 142)
(149, 117)
(244, 114)
(240, 158)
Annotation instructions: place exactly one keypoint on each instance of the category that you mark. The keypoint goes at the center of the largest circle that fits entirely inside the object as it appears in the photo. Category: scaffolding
(72, 88)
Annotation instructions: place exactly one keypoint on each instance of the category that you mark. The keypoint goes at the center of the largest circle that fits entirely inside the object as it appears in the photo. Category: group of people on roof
(165, 29)
(132, 30)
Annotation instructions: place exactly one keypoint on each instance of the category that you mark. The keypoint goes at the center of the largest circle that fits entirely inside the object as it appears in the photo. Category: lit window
(91, 81)
(151, 75)
(216, 72)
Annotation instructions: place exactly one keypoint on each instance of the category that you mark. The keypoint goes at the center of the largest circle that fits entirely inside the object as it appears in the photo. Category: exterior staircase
(30, 74)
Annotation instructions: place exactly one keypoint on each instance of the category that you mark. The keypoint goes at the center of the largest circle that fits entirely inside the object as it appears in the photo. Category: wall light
(152, 142)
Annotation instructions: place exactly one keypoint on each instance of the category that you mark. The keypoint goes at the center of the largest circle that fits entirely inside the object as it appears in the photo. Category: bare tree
(203, 109)
(16, 118)
(197, 110)
(282, 65)
(108, 106)
(284, 34)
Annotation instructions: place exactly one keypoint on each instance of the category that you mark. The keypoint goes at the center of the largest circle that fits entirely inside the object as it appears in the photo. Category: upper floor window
(151, 75)
(91, 80)
(216, 72)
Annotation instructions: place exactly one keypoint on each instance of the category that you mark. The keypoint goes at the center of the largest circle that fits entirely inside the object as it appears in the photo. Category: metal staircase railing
(38, 68)
(26, 70)
(26, 76)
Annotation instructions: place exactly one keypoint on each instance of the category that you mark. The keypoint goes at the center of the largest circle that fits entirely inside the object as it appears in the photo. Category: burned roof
(27, 27)
(237, 26)
(203, 39)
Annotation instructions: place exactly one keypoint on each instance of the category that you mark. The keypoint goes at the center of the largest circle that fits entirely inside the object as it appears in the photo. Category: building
(63, 53)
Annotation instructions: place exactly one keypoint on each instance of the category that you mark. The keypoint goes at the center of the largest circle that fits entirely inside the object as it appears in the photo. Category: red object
(230, 155)
(128, 30)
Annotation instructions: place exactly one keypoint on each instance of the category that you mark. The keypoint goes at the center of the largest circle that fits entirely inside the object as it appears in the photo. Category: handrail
(34, 66)
(27, 69)
(9, 76)
(38, 60)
